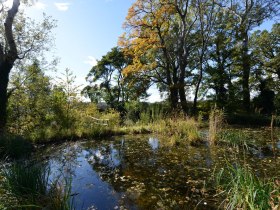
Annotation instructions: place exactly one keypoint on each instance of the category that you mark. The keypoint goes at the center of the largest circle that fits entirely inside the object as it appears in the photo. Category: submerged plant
(244, 190)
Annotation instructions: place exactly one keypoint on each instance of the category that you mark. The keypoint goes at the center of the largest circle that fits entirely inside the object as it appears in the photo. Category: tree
(207, 14)
(65, 98)
(265, 47)
(248, 15)
(20, 39)
(114, 88)
(29, 102)
(161, 39)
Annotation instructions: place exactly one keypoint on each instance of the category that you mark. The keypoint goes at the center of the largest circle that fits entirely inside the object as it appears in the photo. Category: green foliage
(28, 104)
(143, 112)
(244, 190)
(114, 89)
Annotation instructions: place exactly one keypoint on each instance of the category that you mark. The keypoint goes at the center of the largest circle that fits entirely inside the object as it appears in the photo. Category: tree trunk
(5, 69)
(197, 87)
(173, 97)
(183, 99)
(245, 73)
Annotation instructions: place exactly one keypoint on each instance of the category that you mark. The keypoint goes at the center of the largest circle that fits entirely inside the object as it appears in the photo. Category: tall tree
(20, 38)
(248, 14)
(161, 38)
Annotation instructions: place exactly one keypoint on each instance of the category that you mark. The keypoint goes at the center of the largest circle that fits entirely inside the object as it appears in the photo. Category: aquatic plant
(235, 138)
(216, 120)
(60, 195)
(244, 190)
(30, 185)
(178, 128)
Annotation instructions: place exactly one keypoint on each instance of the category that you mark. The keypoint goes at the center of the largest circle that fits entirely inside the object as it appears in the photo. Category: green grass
(244, 190)
(30, 186)
(235, 138)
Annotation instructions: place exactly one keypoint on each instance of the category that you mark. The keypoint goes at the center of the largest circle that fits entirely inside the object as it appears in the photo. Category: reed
(216, 121)
(30, 185)
(244, 190)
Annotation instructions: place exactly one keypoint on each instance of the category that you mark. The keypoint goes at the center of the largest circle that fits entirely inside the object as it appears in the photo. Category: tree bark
(8, 57)
(5, 69)
(245, 73)
(196, 90)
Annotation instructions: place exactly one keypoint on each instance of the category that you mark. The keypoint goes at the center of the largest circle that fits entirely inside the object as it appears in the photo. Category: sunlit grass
(235, 138)
(244, 190)
(216, 121)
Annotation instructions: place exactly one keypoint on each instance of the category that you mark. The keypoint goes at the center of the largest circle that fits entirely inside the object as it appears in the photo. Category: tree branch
(12, 53)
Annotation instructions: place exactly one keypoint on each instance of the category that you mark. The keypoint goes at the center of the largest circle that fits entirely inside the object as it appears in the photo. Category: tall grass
(14, 146)
(216, 122)
(30, 185)
(179, 128)
(235, 138)
(244, 190)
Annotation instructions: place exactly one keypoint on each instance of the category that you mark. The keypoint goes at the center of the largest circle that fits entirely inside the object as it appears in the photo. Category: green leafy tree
(248, 14)
(65, 99)
(29, 102)
(113, 87)
(20, 39)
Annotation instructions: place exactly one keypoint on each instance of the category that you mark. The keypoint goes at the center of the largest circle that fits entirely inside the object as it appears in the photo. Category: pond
(148, 172)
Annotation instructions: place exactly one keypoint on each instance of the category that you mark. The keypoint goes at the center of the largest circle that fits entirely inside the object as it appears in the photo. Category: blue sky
(86, 30)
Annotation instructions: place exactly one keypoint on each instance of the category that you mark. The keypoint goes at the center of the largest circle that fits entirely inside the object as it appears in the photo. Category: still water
(149, 172)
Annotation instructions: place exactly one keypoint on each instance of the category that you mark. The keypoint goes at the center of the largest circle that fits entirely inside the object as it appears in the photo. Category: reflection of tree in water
(63, 160)
(150, 173)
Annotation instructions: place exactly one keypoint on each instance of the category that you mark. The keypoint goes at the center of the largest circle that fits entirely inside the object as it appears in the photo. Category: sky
(86, 30)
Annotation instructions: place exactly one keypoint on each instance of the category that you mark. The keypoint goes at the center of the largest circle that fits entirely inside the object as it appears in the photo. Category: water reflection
(154, 143)
(145, 173)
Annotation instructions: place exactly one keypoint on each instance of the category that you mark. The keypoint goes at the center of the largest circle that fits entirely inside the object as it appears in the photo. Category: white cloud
(62, 6)
(91, 61)
(40, 5)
